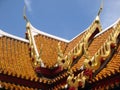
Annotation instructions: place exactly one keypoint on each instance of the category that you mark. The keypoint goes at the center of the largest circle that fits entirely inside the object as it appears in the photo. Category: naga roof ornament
(82, 49)
(33, 49)
(103, 55)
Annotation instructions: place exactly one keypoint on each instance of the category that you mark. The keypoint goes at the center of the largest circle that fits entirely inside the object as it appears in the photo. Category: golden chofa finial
(99, 12)
(101, 7)
(24, 14)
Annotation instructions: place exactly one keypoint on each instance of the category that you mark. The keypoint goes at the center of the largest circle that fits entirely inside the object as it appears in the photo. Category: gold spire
(101, 7)
(24, 14)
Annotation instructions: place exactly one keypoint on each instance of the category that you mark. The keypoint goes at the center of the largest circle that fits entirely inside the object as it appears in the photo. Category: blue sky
(62, 18)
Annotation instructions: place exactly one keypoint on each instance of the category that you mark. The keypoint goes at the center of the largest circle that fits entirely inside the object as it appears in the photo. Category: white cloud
(111, 12)
(28, 5)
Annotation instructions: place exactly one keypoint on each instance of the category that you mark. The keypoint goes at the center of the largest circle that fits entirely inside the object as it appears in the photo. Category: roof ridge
(2, 33)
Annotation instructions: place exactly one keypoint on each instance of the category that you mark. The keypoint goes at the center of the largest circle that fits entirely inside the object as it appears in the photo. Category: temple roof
(16, 62)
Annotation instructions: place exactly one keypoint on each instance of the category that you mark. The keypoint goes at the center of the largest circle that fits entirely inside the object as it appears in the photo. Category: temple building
(41, 61)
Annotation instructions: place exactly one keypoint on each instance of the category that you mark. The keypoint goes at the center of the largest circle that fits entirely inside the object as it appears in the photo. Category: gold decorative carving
(73, 81)
(91, 65)
(34, 52)
(104, 52)
(82, 46)
(79, 49)
(76, 81)
(65, 62)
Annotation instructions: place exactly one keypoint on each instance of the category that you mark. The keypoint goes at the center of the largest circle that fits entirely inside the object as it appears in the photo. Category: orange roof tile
(49, 48)
(112, 67)
(15, 59)
(94, 46)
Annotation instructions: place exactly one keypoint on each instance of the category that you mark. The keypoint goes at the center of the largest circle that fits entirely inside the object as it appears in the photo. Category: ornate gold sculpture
(34, 52)
(104, 52)
(73, 81)
(95, 62)
(80, 48)
(65, 62)
(76, 81)
(84, 43)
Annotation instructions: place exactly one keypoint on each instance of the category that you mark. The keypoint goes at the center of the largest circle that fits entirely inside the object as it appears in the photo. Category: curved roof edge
(2, 33)
(36, 31)
(112, 25)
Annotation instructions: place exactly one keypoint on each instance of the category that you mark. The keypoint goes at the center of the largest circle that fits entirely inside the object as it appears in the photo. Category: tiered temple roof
(91, 60)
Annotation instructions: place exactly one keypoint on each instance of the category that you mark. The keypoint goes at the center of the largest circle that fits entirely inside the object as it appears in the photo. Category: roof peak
(101, 8)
